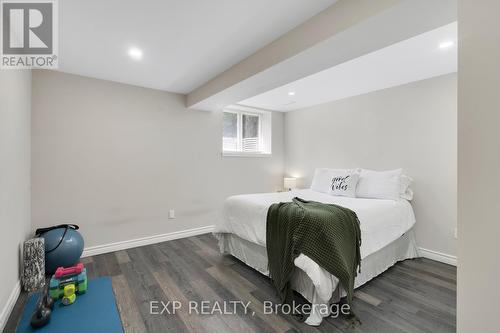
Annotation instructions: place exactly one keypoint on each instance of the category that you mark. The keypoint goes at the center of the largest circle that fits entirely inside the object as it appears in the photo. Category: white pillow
(343, 183)
(405, 190)
(322, 179)
(379, 184)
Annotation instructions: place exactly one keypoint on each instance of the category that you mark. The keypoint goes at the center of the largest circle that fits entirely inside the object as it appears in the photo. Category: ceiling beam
(344, 31)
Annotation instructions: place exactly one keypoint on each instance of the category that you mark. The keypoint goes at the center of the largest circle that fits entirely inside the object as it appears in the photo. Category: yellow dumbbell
(69, 294)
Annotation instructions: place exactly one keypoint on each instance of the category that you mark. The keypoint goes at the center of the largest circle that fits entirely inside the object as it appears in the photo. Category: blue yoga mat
(94, 311)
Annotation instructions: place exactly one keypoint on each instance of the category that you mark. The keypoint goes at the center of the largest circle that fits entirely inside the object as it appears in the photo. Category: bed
(386, 232)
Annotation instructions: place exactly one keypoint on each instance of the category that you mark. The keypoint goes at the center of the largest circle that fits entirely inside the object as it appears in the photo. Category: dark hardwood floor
(413, 296)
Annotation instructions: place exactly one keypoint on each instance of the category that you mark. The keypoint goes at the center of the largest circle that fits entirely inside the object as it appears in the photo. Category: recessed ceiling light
(291, 93)
(446, 44)
(135, 53)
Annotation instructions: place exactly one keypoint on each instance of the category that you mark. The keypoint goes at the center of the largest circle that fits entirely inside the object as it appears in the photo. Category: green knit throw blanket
(326, 233)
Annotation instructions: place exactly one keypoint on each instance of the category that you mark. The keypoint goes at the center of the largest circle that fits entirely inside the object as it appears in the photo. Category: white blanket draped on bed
(381, 223)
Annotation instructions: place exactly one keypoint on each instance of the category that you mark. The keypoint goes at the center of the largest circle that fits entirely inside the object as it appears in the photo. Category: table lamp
(289, 183)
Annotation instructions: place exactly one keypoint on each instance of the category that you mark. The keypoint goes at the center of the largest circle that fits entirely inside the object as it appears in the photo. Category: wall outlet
(455, 234)
(171, 214)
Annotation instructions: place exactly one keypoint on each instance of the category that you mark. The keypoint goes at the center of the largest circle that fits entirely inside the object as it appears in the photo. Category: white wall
(115, 158)
(478, 165)
(15, 108)
(413, 126)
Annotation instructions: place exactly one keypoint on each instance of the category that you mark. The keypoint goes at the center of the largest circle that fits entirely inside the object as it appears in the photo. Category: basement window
(246, 132)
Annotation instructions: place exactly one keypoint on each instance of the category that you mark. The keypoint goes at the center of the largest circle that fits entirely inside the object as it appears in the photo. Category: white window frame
(240, 111)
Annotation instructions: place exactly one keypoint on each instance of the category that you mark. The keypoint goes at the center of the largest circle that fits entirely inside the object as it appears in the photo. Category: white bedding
(381, 223)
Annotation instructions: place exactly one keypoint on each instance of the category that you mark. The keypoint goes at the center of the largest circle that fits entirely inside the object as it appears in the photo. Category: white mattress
(381, 222)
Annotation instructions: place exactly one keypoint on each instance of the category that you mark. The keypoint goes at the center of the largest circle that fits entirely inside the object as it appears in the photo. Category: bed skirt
(255, 256)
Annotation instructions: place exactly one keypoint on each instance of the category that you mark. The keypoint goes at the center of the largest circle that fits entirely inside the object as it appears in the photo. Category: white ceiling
(184, 42)
(411, 60)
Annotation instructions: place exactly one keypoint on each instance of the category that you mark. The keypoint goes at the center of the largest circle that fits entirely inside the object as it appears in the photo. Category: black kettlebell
(41, 317)
(49, 302)
(43, 311)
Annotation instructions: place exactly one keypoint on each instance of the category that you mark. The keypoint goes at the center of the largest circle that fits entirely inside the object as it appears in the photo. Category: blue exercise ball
(63, 247)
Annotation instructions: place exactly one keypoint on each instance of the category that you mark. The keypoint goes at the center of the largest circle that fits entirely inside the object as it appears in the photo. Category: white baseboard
(123, 245)
(128, 244)
(11, 301)
(438, 256)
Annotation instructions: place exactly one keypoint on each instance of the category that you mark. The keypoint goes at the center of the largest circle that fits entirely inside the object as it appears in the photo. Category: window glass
(250, 135)
(230, 125)
(250, 126)
(230, 132)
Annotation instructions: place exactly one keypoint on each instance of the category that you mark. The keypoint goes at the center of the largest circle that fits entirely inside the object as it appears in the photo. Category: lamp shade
(289, 183)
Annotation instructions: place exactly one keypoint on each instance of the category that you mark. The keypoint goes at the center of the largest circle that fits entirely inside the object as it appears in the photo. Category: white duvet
(381, 223)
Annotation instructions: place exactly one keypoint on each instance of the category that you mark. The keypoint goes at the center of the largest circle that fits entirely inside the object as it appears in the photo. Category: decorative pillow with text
(344, 183)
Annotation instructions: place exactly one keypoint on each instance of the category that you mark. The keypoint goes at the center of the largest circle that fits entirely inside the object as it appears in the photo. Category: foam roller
(33, 277)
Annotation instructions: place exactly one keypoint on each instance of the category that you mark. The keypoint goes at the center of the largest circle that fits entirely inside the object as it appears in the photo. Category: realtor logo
(29, 34)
